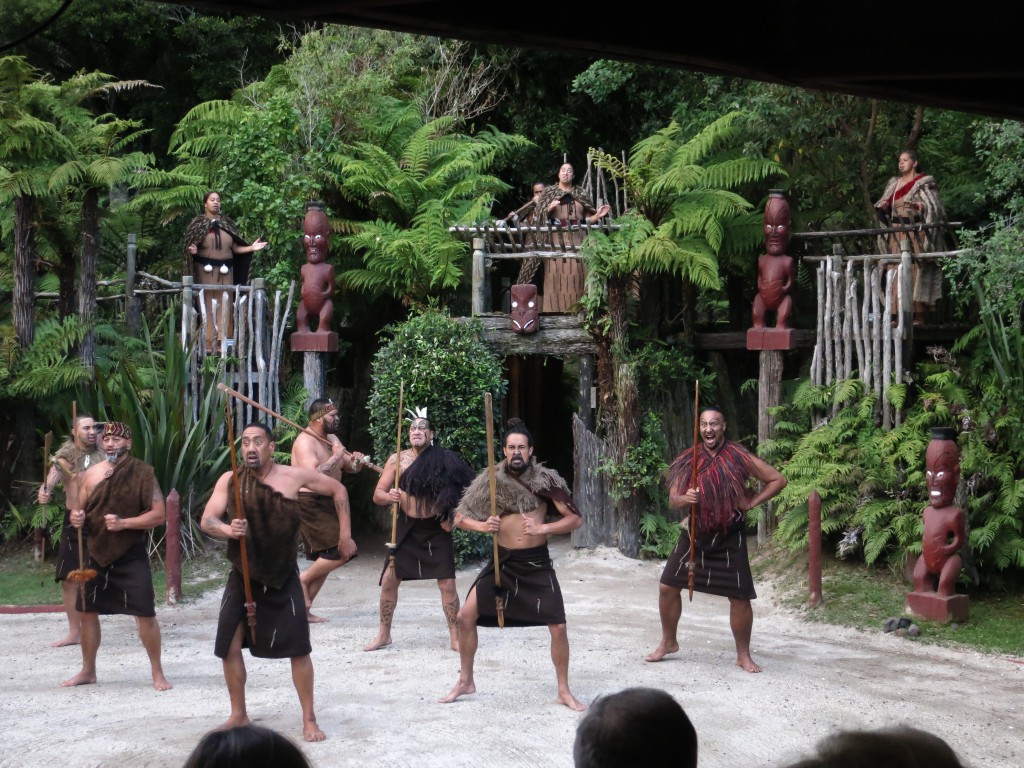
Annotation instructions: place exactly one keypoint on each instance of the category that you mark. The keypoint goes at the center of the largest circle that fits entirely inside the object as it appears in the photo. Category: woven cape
(436, 479)
(127, 492)
(196, 232)
(272, 540)
(722, 479)
(70, 455)
(536, 486)
(555, 192)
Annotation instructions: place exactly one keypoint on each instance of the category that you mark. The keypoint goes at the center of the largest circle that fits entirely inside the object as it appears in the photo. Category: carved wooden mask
(524, 308)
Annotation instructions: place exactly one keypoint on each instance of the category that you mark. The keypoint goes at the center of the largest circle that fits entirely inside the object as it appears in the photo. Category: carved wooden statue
(775, 268)
(945, 532)
(317, 286)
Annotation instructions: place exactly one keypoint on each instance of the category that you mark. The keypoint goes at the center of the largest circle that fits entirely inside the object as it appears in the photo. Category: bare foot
(68, 640)
(311, 731)
(747, 663)
(460, 689)
(663, 650)
(571, 702)
(314, 619)
(378, 642)
(235, 721)
(160, 682)
(82, 678)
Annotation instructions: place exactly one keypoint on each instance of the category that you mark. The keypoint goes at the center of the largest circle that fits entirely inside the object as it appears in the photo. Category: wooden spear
(238, 395)
(393, 544)
(250, 606)
(489, 421)
(690, 566)
(82, 574)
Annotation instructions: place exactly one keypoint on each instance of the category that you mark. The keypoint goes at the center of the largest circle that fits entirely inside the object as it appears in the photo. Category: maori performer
(120, 500)
(216, 254)
(721, 564)
(322, 524)
(568, 206)
(913, 198)
(430, 484)
(77, 454)
(527, 494)
(270, 528)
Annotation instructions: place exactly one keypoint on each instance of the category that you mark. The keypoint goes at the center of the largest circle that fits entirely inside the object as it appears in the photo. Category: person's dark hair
(636, 726)
(262, 426)
(207, 195)
(912, 153)
(79, 416)
(897, 747)
(247, 746)
(517, 427)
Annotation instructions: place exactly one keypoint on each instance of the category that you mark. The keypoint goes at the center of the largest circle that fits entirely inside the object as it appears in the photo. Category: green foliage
(418, 177)
(471, 547)
(872, 484)
(658, 535)
(641, 470)
(442, 365)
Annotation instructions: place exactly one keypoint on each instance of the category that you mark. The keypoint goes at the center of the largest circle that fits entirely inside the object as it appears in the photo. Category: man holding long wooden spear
(525, 494)
(67, 466)
(719, 562)
(431, 480)
(269, 528)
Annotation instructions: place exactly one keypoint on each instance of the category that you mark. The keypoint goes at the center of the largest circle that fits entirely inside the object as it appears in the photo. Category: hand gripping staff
(489, 421)
(250, 606)
(691, 565)
(365, 461)
(393, 544)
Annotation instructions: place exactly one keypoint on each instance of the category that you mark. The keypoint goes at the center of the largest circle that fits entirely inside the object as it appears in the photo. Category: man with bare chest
(322, 524)
(430, 482)
(67, 468)
(527, 493)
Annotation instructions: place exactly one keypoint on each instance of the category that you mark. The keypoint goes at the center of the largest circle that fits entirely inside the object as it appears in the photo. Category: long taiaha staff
(393, 544)
(238, 395)
(250, 606)
(690, 566)
(492, 478)
(41, 530)
(81, 574)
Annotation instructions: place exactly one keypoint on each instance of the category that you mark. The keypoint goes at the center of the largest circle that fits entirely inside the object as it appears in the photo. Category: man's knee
(558, 632)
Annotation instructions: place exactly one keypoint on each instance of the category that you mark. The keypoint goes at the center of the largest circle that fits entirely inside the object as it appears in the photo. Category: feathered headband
(418, 414)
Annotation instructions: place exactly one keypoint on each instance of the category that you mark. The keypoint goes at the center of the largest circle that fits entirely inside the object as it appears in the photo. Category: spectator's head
(636, 726)
(248, 746)
(898, 747)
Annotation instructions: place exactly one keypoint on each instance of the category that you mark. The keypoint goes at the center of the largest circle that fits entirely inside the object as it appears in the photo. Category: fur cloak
(535, 487)
(128, 492)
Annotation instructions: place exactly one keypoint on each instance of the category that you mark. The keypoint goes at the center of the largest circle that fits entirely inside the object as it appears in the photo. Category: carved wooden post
(173, 519)
(774, 279)
(132, 310)
(814, 549)
(481, 304)
(317, 288)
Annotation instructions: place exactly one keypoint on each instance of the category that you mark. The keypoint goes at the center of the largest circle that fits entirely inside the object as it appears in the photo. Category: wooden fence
(590, 490)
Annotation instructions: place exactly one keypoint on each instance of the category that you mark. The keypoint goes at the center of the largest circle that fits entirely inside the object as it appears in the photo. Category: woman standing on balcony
(913, 198)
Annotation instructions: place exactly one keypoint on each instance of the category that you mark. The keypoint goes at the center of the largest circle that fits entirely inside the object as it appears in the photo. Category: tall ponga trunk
(87, 274)
(24, 271)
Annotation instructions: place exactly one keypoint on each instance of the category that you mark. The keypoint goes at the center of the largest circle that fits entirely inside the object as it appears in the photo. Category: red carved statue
(317, 286)
(775, 268)
(945, 532)
(524, 308)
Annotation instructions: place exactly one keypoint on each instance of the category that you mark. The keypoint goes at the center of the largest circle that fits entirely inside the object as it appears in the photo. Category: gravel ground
(380, 708)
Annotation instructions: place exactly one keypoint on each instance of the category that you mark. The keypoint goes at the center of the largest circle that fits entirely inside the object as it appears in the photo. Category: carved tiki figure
(317, 274)
(524, 308)
(775, 268)
(945, 526)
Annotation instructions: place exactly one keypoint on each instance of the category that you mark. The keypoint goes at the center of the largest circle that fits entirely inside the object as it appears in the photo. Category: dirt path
(379, 709)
